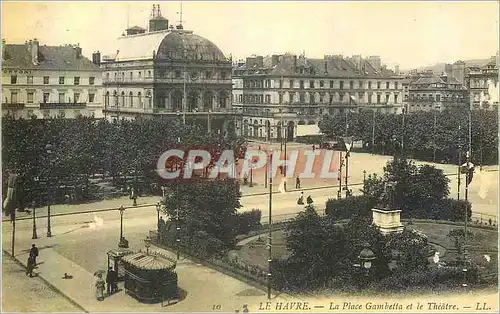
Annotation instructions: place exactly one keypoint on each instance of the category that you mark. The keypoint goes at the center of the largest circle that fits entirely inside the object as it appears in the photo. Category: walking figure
(99, 286)
(245, 308)
(281, 169)
(297, 183)
(300, 201)
(109, 281)
(30, 266)
(314, 148)
(245, 178)
(34, 253)
(309, 200)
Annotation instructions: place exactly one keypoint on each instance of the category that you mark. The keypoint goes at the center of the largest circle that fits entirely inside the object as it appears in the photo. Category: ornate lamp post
(123, 242)
(364, 181)
(147, 244)
(48, 148)
(366, 258)
(35, 236)
(158, 208)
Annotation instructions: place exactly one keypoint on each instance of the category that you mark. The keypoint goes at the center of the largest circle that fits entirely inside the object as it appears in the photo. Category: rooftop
(165, 44)
(49, 57)
(288, 64)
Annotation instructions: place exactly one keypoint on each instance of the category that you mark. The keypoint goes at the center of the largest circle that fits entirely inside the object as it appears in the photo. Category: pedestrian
(99, 286)
(245, 308)
(300, 201)
(297, 183)
(309, 200)
(30, 265)
(314, 148)
(34, 253)
(109, 281)
(280, 167)
(114, 284)
(245, 178)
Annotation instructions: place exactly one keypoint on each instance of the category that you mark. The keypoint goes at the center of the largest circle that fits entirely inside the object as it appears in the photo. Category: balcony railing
(11, 106)
(62, 105)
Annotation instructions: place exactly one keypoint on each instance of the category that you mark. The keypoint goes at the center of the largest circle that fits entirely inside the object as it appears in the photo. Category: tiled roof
(49, 57)
(429, 80)
(333, 66)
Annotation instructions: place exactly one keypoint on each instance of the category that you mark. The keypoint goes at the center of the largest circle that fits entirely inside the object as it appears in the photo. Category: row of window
(437, 97)
(259, 99)
(352, 84)
(30, 97)
(165, 74)
(46, 80)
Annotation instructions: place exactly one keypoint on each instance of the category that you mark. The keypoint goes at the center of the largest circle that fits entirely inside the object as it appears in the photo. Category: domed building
(168, 71)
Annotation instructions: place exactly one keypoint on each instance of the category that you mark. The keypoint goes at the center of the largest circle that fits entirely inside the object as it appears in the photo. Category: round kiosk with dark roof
(150, 277)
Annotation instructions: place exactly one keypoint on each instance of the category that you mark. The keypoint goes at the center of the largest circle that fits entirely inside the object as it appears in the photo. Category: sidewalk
(80, 289)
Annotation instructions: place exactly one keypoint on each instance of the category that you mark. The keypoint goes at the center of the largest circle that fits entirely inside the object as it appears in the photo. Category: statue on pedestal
(386, 200)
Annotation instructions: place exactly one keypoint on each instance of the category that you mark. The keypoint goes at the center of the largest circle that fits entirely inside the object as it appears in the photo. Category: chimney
(78, 51)
(96, 58)
(260, 61)
(34, 46)
(275, 60)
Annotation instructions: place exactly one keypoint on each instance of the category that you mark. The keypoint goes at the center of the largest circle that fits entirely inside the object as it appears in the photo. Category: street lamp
(34, 236)
(366, 258)
(48, 148)
(147, 244)
(364, 181)
(123, 242)
(158, 208)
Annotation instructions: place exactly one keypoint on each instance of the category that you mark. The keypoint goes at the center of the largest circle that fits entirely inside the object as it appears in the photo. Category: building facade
(49, 81)
(169, 72)
(277, 93)
(427, 92)
(483, 85)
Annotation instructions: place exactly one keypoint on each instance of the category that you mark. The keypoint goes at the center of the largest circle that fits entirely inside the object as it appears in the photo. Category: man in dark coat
(30, 266)
(109, 280)
(34, 253)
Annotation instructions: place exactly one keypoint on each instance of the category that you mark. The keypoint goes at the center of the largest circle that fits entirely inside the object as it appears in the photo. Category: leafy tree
(208, 206)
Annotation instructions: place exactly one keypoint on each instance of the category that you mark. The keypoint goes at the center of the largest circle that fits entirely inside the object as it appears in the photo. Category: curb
(73, 302)
(80, 213)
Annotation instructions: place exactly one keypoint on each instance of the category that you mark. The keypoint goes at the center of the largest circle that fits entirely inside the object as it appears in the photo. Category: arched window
(115, 96)
(177, 101)
(139, 99)
(123, 99)
(106, 98)
(148, 96)
(131, 98)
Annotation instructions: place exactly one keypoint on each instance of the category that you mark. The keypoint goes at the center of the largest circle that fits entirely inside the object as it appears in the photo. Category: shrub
(460, 233)
(346, 208)
(248, 221)
(451, 209)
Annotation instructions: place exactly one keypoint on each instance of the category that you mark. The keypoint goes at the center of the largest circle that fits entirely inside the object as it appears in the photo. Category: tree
(208, 206)
(412, 248)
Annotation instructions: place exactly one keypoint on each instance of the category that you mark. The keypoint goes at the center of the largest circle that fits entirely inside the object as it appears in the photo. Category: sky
(409, 34)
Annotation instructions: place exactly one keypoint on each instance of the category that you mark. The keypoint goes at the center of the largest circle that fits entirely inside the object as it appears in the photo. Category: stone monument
(386, 216)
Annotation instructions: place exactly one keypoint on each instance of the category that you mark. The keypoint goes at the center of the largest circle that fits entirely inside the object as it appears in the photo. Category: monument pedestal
(388, 220)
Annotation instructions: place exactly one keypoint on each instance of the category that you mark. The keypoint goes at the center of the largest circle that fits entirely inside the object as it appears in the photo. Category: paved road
(86, 248)
(24, 294)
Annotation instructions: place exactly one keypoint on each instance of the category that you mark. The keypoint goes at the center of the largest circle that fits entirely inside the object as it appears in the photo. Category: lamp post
(158, 208)
(34, 236)
(366, 258)
(364, 181)
(48, 148)
(147, 244)
(123, 243)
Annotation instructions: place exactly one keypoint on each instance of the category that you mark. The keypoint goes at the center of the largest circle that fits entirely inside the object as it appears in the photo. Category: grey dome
(186, 45)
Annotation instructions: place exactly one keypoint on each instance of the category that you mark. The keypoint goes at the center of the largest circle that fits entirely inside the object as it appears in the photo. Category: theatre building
(170, 72)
